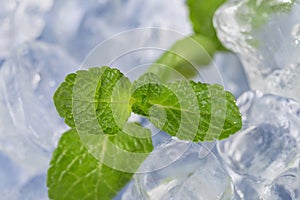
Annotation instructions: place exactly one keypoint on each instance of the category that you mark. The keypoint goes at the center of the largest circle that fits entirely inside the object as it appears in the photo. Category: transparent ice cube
(247, 189)
(177, 170)
(285, 187)
(29, 123)
(90, 22)
(266, 36)
(270, 138)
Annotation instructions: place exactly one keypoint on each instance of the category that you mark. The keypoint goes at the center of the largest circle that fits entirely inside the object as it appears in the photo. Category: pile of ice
(263, 159)
(42, 41)
(267, 147)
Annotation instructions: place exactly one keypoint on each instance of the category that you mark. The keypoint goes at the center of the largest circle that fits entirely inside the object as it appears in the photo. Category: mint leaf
(63, 99)
(220, 116)
(201, 16)
(188, 110)
(112, 100)
(100, 104)
(184, 57)
(96, 158)
(75, 174)
(103, 91)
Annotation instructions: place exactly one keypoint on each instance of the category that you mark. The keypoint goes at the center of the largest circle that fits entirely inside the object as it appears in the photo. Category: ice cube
(20, 21)
(270, 139)
(9, 174)
(176, 170)
(90, 22)
(266, 36)
(29, 123)
(247, 189)
(285, 187)
(34, 189)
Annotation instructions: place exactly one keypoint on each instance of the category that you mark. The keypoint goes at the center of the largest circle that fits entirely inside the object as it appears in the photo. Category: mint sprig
(102, 150)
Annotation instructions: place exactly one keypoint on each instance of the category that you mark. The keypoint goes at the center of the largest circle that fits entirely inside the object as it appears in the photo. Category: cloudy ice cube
(247, 189)
(87, 23)
(177, 170)
(270, 139)
(285, 187)
(34, 189)
(20, 21)
(266, 36)
(9, 175)
(29, 123)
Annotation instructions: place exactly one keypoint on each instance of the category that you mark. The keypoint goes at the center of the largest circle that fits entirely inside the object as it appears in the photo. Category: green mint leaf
(98, 156)
(112, 100)
(201, 16)
(63, 99)
(100, 104)
(124, 151)
(184, 57)
(74, 173)
(218, 110)
(103, 91)
(185, 109)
